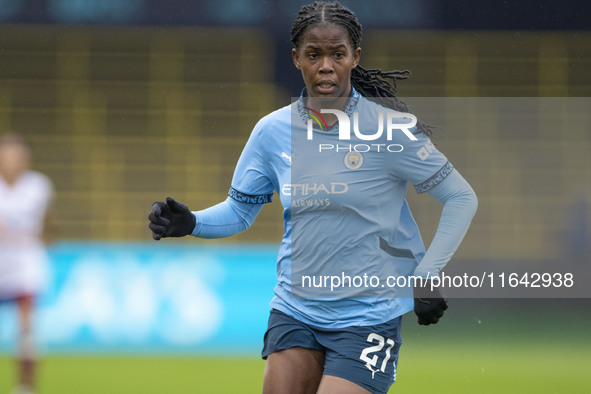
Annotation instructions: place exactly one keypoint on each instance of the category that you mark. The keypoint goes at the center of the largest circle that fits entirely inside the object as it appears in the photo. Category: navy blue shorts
(364, 355)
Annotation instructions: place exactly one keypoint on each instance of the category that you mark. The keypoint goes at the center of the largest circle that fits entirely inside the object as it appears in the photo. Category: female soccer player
(26, 199)
(344, 212)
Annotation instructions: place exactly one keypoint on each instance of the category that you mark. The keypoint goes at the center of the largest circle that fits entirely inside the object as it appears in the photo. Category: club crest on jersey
(353, 160)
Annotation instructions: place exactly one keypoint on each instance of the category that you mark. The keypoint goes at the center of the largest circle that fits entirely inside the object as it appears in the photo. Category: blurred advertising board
(166, 297)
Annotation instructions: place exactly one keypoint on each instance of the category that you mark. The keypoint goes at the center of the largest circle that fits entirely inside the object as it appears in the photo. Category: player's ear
(356, 57)
(296, 58)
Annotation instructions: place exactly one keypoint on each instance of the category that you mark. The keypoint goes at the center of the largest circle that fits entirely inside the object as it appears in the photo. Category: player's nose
(326, 65)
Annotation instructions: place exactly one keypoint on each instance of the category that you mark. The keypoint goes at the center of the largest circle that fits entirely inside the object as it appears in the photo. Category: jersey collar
(349, 108)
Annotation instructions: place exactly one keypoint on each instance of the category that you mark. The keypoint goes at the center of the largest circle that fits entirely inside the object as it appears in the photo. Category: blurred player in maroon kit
(25, 228)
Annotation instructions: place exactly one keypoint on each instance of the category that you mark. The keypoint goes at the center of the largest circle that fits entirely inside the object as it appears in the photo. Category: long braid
(375, 84)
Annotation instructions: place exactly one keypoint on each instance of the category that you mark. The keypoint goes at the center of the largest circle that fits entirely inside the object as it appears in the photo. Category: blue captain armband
(249, 198)
(435, 179)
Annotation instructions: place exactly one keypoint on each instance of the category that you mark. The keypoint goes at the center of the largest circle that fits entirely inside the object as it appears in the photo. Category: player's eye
(312, 55)
(339, 55)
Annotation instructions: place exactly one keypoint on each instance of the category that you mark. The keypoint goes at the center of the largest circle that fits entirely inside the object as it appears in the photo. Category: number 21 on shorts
(371, 362)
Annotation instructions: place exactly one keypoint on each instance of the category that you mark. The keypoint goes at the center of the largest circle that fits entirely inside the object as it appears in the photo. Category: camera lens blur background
(125, 102)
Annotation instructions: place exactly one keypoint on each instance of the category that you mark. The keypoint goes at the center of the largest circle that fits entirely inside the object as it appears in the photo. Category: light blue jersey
(344, 210)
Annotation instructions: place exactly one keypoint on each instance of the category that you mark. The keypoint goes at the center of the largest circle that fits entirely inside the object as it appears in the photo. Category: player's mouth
(326, 87)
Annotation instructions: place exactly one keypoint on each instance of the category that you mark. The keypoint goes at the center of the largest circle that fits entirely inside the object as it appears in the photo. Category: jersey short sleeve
(421, 163)
(251, 182)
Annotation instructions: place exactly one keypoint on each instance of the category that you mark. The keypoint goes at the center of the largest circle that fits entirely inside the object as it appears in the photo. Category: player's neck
(10, 179)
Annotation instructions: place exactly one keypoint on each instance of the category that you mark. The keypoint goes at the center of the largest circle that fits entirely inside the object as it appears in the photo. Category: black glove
(429, 304)
(170, 219)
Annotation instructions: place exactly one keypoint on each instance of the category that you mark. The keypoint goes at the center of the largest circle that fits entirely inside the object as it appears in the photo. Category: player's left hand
(429, 304)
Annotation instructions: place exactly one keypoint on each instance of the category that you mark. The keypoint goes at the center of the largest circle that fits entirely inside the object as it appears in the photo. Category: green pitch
(521, 349)
(466, 368)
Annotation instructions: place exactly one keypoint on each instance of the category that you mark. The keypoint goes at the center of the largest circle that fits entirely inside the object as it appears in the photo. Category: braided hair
(375, 84)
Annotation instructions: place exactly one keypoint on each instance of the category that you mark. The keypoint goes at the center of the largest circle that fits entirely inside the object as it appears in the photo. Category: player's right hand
(170, 219)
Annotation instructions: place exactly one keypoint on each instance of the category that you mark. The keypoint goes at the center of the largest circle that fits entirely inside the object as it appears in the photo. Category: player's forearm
(225, 219)
(459, 206)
